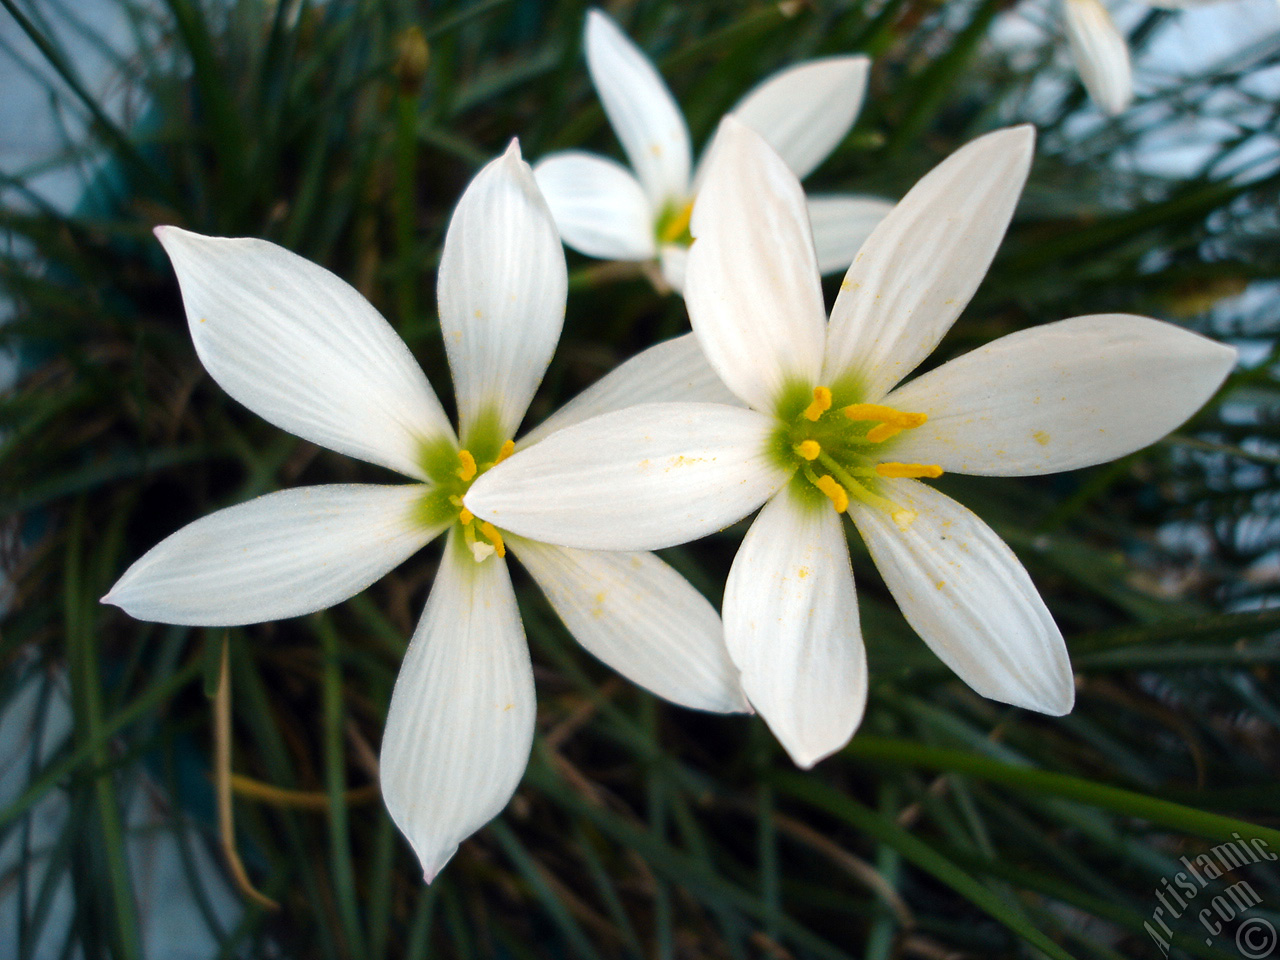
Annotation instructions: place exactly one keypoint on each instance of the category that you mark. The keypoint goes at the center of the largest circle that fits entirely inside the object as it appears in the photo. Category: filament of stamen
(912, 470)
(467, 472)
(821, 404)
(809, 449)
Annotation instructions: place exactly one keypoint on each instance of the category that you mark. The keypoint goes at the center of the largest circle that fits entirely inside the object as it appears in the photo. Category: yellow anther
(465, 516)
(677, 225)
(839, 496)
(468, 469)
(882, 432)
(507, 450)
(890, 423)
(493, 536)
(914, 470)
(821, 403)
(809, 449)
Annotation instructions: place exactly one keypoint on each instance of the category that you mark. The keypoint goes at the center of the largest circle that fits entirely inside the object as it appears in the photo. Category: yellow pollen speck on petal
(904, 518)
(494, 537)
(839, 496)
(911, 470)
(1041, 438)
(802, 572)
(465, 516)
(821, 403)
(468, 469)
(678, 224)
(809, 449)
(507, 450)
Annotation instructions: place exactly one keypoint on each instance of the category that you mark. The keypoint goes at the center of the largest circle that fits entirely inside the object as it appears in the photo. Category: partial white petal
(280, 555)
(805, 111)
(673, 371)
(641, 618)
(970, 599)
(753, 289)
(918, 269)
(461, 719)
(791, 622)
(674, 262)
(1061, 396)
(502, 286)
(599, 207)
(1100, 52)
(302, 349)
(841, 224)
(642, 478)
(643, 114)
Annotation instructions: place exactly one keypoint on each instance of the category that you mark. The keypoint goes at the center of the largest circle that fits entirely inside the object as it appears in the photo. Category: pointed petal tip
(433, 863)
(513, 150)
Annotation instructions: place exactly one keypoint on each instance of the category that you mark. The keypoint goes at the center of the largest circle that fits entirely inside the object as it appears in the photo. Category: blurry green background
(950, 826)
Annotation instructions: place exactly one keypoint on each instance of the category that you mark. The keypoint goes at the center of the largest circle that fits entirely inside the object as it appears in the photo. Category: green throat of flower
(839, 451)
(452, 470)
(673, 225)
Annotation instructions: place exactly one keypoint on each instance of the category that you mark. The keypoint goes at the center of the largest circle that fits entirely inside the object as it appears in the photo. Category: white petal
(791, 622)
(970, 599)
(642, 478)
(1061, 396)
(641, 618)
(1101, 54)
(840, 226)
(302, 349)
(673, 371)
(599, 207)
(280, 555)
(920, 266)
(461, 719)
(502, 286)
(674, 261)
(643, 114)
(805, 111)
(752, 285)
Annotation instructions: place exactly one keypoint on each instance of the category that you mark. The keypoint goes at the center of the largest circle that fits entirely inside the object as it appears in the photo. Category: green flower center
(838, 451)
(673, 225)
(452, 470)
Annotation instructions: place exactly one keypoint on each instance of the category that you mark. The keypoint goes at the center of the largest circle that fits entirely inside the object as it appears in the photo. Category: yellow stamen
(882, 432)
(494, 537)
(468, 469)
(809, 449)
(821, 403)
(507, 450)
(677, 225)
(913, 470)
(465, 516)
(839, 496)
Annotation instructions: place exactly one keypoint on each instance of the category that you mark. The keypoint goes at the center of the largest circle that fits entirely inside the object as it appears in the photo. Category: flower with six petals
(604, 210)
(305, 351)
(828, 422)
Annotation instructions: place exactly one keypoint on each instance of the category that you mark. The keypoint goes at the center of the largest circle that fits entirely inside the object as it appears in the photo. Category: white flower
(827, 423)
(304, 350)
(604, 210)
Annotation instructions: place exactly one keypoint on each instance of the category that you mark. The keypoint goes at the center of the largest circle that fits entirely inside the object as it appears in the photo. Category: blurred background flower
(346, 131)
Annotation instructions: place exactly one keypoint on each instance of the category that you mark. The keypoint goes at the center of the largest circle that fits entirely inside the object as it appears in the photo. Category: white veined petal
(841, 224)
(277, 556)
(642, 478)
(752, 285)
(791, 622)
(599, 207)
(502, 287)
(461, 720)
(919, 268)
(642, 111)
(674, 262)
(303, 349)
(1060, 396)
(1101, 54)
(640, 617)
(673, 371)
(970, 599)
(803, 112)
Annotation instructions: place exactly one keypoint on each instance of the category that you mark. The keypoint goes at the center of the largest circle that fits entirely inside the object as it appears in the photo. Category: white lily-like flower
(304, 350)
(827, 423)
(604, 210)
(1101, 52)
